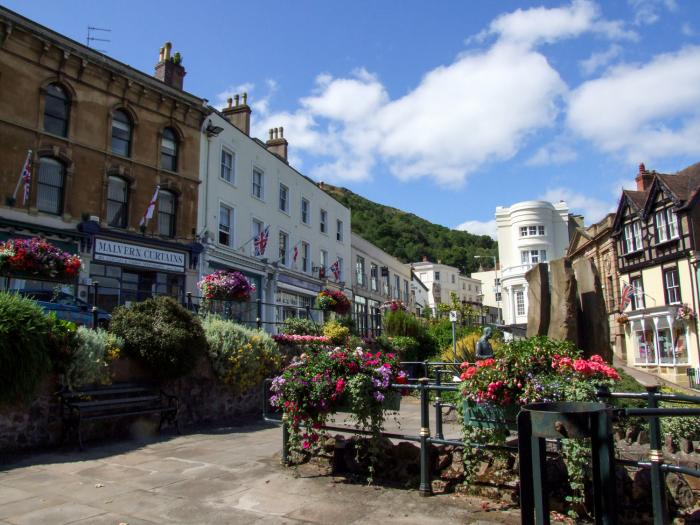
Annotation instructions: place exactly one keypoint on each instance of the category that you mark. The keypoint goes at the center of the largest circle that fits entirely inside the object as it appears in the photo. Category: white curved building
(529, 232)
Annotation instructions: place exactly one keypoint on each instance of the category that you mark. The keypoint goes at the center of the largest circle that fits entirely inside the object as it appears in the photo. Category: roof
(685, 184)
(637, 198)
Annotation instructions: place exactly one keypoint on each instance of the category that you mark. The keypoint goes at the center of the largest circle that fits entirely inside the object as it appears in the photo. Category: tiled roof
(638, 198)
(685, 184)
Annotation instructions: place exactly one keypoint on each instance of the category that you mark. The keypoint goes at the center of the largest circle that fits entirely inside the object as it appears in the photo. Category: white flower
(358, 351)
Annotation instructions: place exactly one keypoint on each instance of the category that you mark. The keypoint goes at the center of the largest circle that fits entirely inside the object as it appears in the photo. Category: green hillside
(409, 238)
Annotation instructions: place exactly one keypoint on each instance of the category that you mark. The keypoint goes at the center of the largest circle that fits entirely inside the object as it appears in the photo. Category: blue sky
(445, 109)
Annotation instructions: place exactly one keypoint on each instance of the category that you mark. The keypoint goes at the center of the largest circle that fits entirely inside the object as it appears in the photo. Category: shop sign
(141, 256)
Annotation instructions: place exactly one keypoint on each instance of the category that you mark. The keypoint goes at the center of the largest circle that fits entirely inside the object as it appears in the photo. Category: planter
(483, 415)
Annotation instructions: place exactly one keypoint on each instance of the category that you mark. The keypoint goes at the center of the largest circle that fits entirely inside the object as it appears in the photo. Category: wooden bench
(95, 403)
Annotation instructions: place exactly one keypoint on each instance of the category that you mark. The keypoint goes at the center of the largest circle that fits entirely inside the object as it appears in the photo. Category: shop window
(225, 225)
(50, 186)
(56, 110)
(121, 133)
(167, 204)
(117, 202)
(646, 346)
(169, 150)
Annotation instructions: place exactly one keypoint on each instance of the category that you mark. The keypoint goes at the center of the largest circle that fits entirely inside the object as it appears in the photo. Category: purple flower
(378, 396)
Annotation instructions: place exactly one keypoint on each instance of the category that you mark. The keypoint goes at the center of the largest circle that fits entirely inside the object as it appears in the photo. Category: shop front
(295, 297)
(246, 312)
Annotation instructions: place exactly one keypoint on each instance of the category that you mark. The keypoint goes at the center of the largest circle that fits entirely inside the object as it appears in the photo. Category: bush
(161, 333)
(408, 348)
(299, 326)
(240, 356)
(336, 332)
(466, 348)
(62, 342)
(441, 332)
(24, 351)
(91, 356)
(399, 323)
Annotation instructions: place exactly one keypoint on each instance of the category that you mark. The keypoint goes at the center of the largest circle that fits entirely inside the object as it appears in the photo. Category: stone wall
(203, 400)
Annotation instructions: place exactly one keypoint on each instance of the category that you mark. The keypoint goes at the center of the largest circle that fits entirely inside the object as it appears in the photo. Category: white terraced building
(529, 232)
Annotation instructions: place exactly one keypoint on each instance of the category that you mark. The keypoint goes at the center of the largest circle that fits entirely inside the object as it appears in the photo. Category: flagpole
(21, 175)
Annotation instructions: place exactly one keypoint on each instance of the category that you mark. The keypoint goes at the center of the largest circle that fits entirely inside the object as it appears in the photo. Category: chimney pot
(230, 102)
(245, 99)
(236, 98)
(270, 133)
(281, 132)
(642, 168)
(169, 70)
(237, 114)
(161, 55)
(168, 47)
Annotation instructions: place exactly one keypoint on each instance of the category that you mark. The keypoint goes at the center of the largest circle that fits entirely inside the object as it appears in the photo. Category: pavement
(228, 475)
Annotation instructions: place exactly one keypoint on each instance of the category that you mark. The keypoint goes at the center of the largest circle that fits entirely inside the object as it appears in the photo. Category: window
(304, 210)
(225, 225)
(519, 302)
(464, 287)
(533, 256)
(227, 166)
(339, 230)
(637, 293)
(437, 276)
(258, 180)
(405, 291)
(284, 198)
(168, 150)
(305, 254)
(360, 271)
(373, 275)
(633, 237)
(166, 213)
(324, 219)
(121, 133)
(540, 230)
(397, 287)
(49, 187)
(453, 278)
(56, 110)
(543, 255)
(646, 347)
(324, 264)
(117, 198)
(341, 274)
(256, 227)
(672, 287)
(532, 231)
(666, 225)
(283, 247)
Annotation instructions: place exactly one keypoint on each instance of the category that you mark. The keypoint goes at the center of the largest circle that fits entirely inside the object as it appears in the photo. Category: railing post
(94, 318)
(189, 301)
(424, 489)
(258, 319)
(95, 285)
(656, 457)
(438, 408)
(285, 439)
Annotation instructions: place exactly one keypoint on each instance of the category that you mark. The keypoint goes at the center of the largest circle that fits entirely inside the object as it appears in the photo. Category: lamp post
(496, 281)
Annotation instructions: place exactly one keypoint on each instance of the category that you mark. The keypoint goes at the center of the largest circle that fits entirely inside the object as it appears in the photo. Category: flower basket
(36, 258)
(333, 301)
(226, 285)
(622, 319)
(487, 415)
(685, 313)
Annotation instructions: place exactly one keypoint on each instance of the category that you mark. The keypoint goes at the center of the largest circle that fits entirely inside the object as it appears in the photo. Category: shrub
(400, 322)
(336, 332)
(466, 348)
(90, 358)
(408, 348)
(441, 332)
(62, 342)
(161, 333)
(240, 356)
(24, 356)
(299, 326)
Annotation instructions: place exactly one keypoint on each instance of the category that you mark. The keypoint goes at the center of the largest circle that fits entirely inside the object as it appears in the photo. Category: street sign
(453, 316)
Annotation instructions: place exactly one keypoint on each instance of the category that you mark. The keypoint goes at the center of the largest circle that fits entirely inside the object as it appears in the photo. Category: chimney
(169, 69)
(643, 178)
(277, 144)
(238, 114)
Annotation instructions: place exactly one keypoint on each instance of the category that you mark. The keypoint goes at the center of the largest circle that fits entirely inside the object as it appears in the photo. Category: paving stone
(9, 494)
(19, 507)
(55, 515)
(141, 504)
(109, 518)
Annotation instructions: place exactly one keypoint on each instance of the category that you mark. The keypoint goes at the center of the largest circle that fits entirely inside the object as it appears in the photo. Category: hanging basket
(226, 285)
(36, 258)
(486, 415)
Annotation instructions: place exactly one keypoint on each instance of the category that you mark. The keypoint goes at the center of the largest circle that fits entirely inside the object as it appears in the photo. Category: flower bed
(393, 305)
(293, 339)
(333, 301)
(37, 257)
(227, 285)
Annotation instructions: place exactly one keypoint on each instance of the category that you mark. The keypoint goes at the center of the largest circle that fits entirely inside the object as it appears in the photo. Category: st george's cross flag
(27, 177)
(151, 208)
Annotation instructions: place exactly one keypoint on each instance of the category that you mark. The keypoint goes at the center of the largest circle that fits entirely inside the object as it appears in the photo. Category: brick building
(103, 137)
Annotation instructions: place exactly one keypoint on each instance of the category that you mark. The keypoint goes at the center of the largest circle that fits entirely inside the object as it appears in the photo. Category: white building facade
(377, 277)
(248, 187)
(529, 232)
(443, 280)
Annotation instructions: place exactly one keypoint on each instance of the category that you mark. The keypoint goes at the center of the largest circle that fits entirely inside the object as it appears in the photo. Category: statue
(484, 350)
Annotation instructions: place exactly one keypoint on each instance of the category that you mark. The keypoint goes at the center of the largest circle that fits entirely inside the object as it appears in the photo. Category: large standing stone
(538, 300)
(594, 327)
(563, 316)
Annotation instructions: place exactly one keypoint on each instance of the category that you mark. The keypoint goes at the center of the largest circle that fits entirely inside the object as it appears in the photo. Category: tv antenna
(90, 38)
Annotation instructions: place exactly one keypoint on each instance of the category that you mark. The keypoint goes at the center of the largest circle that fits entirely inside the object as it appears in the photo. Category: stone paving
(221, 476)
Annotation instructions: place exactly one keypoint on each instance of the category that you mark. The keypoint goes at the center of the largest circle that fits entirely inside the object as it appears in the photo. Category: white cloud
(479, 227)
(644, 111)
(591, 208)
(687, 29)
(647, 12)
(599, 60)
(556, 153)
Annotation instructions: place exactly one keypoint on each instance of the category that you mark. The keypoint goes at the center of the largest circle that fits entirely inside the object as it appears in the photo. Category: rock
(642, 438)
(669, 446)
(594, 326)
(686, 446)
(631, 434)
(641, 487)
(563, 314)
(538, 300)
(680, 491)
(444, 460)
(441, 487)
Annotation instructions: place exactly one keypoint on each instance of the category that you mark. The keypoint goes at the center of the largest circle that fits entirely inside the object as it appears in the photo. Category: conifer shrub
(24, 347)
(162, 334)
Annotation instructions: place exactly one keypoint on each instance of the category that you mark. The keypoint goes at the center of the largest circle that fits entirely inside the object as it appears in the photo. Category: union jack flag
(261, 241)
(335, 268)
(27, 177)
(295, 254)
(626, 297)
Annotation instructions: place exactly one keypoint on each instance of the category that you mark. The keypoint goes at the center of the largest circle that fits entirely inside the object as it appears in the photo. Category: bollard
(189, 301)
(438, 408)
(95, 285)
(94, 318)
(656, 457)
(424, 489)
(285, 439)
(258, 319)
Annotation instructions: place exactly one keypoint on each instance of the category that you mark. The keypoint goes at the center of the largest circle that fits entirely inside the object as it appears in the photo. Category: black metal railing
(693, 378)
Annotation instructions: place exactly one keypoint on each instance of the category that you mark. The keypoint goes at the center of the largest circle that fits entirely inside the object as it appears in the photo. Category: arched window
(121, 133)
(168, 150)
(117, 202)
(49, 186)
(56, 110)
(166, 213)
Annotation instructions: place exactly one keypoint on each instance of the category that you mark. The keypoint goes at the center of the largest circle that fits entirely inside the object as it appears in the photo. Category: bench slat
(107, 392)
(131, 413)
(113, 402)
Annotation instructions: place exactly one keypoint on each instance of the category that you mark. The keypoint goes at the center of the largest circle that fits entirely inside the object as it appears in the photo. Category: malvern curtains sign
(142, 256)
